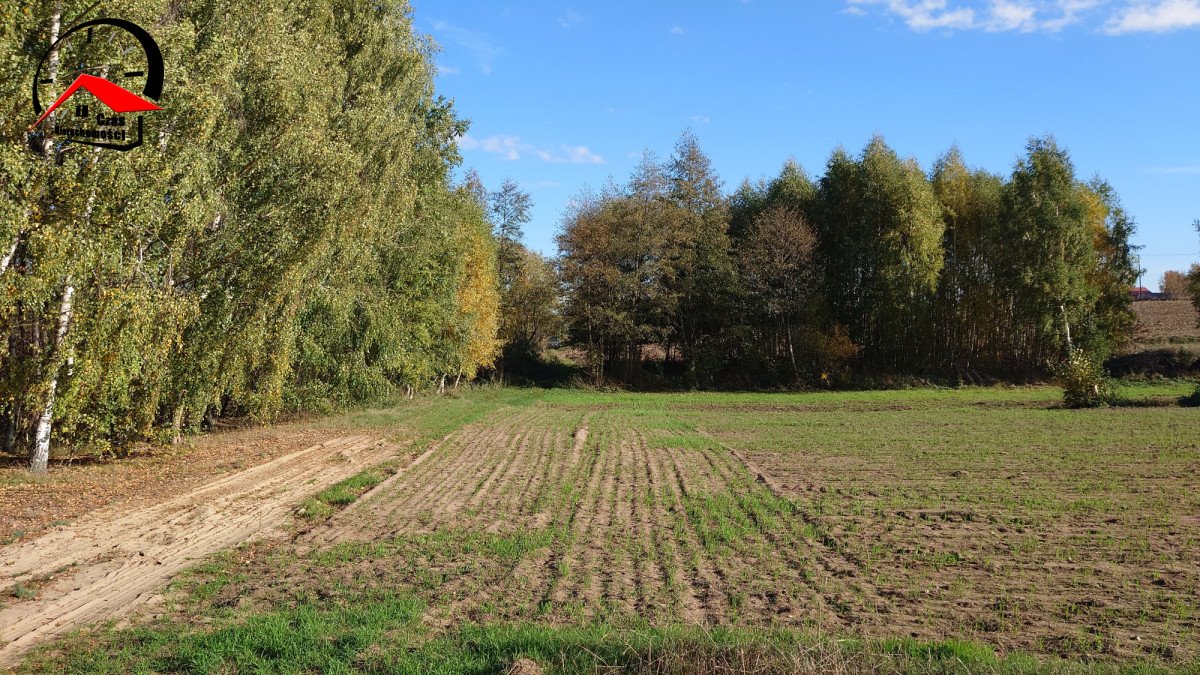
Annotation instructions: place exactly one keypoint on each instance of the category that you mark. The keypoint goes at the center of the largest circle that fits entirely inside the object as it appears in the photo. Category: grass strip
(383, 632)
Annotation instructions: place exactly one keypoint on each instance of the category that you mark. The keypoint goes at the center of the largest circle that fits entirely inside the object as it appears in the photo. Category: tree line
(877, 269)
(292, 239)
(289, 239)
(1177, 285)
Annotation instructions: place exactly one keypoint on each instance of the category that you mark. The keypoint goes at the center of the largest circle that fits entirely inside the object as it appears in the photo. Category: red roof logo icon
(120, 100)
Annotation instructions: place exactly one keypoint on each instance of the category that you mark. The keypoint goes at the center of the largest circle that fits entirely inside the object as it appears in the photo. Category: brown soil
(1161, 320)
(1048, 582)
(74, 487)
(560, 513)
(119, 557)
(524, 667)
(636, 533)
(720, 536)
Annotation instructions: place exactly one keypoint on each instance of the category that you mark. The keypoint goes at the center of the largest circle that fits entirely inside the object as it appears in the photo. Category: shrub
(1192, 400)
(1164, 362)
(1083, 381)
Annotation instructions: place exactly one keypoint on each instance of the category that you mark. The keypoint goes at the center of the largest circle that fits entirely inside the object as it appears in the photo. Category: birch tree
(280, 242)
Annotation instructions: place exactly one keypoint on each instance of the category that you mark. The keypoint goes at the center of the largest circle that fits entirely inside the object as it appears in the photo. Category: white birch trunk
(12, 250)
(177, 425)
(1067, 326)
(41, 447)
(41, 444)
(6, 261)
(52, 64)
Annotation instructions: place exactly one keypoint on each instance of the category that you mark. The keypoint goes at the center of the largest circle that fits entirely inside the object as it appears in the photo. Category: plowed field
(985, 515)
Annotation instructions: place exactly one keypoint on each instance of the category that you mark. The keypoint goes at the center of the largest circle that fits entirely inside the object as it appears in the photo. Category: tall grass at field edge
(385, 633)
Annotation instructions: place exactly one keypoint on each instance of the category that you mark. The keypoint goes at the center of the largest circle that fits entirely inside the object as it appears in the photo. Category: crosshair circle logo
(88, 79)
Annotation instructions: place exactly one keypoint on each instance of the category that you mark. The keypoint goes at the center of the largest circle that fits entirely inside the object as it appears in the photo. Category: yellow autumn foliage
(1097, 219)
(478, 300)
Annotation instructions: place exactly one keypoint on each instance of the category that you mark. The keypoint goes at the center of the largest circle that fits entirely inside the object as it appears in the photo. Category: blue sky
(562, 94)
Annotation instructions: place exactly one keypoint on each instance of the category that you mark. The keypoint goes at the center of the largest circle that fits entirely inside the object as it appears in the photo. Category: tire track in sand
(105, 563)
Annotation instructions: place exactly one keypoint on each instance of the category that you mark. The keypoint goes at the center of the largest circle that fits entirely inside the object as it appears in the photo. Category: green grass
(345, 492)
(649, 403)
(201, 583)
(507, 547)
(21, 591)
(339, 495)
(418, 422)
(428, 418)
(383, 633)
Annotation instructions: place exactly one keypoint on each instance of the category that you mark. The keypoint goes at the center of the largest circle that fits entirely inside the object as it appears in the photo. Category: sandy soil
(78, 485)
(118, 558)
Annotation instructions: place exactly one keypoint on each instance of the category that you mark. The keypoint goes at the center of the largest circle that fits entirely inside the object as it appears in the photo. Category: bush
(1083, 381)
(1154, 363)
(1192, 400)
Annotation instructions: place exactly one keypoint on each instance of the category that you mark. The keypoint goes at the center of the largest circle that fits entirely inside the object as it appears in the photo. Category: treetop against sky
(563, 94)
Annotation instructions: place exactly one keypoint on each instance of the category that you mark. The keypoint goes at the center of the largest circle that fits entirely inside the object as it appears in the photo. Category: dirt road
(109, 562)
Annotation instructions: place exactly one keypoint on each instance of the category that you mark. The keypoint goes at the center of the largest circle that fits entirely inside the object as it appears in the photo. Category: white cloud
(581, 155)
(924, 15)
(448, 70)
(511, 147)
(570, 19)
(1122, 16)
(570, 154)
(1071, 11)
(1006, 16)
(508, 147)
(1159, 16)
(480, 45)
(677, 30)
(701, 119)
